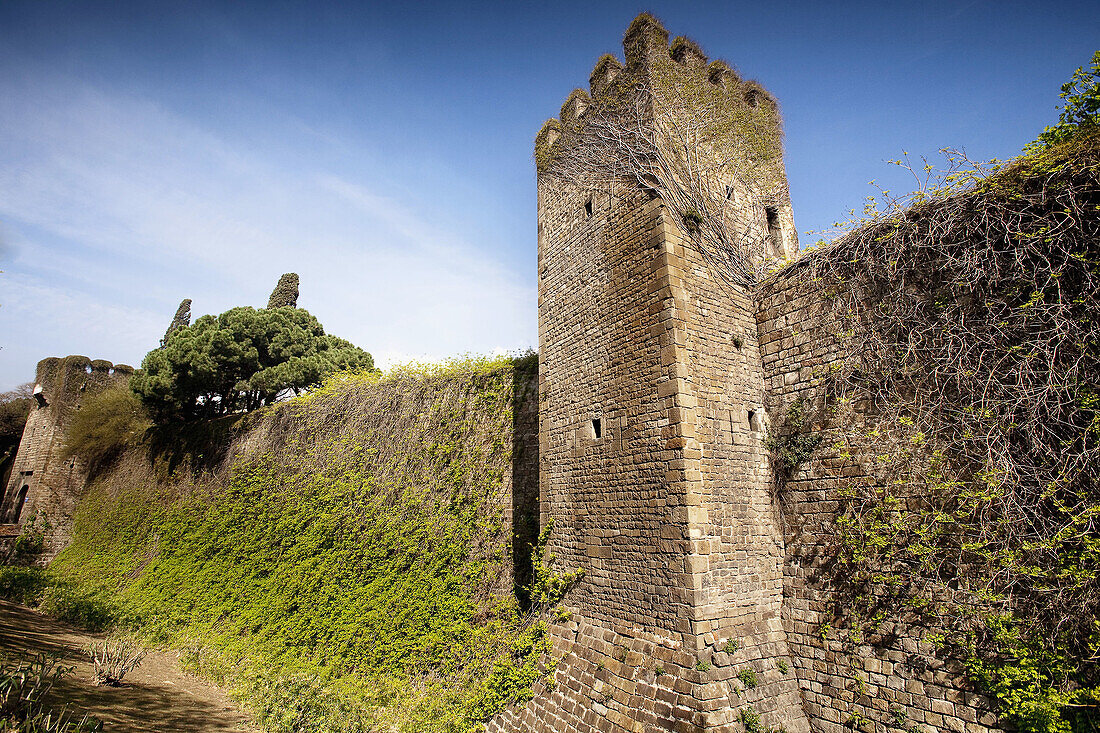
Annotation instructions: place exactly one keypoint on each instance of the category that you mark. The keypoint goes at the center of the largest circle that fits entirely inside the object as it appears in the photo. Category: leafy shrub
(23, 686)
(548, 587)
(31, 539)
(747, 677)
(65, 602)
(751, 720)
(23, 584)
(106, 424)
(792, 443)
(1024, 677)
(14, 408)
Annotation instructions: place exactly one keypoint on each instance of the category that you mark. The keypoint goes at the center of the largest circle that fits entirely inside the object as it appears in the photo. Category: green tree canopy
(14, 406)
(243, 359)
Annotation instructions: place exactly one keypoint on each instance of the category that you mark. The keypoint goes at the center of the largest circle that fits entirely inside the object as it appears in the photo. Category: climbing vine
(343, 562)
(972, 354)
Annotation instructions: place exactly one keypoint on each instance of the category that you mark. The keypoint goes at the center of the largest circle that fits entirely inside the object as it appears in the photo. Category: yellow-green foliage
(728, 120)
(347, 567)
(106, 424)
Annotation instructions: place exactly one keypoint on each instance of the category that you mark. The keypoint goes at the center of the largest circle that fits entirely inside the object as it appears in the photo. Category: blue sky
(155, 151)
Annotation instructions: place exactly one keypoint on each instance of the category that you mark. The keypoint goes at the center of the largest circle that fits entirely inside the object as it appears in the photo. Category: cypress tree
(182, 319)
(285, 294)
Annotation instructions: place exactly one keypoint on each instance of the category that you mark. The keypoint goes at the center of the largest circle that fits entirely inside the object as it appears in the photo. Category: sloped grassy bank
(342, 563)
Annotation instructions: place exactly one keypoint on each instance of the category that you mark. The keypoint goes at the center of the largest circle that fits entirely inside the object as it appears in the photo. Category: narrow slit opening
(588, 208)
(597, 428)
(774, 237)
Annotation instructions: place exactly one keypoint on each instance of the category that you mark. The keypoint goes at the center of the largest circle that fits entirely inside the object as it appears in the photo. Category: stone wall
(707, 602)
(522, 482)
(893, 674)
(43, 484)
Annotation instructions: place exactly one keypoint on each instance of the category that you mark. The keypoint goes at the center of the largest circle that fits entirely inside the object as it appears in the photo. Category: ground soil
(156, 696)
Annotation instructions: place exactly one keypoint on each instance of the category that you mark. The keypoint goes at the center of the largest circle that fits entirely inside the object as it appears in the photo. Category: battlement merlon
(645, 41)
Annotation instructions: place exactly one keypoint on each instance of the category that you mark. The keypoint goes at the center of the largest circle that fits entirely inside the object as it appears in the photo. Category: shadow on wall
(197, 446)
(525, 473)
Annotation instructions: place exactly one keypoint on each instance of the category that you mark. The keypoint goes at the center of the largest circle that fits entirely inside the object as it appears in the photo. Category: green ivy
(1028, 681)
(792, 443)
(359, 555)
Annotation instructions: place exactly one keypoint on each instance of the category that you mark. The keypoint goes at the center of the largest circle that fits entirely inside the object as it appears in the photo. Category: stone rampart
(892, 674)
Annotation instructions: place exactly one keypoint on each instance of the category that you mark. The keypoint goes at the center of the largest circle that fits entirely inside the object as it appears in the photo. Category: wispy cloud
(114, 208)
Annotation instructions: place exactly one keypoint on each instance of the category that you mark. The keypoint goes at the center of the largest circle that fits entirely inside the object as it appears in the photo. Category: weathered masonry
(43, 485)
(697, 610)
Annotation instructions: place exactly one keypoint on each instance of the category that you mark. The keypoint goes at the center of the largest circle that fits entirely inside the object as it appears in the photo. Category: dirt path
(157, 695)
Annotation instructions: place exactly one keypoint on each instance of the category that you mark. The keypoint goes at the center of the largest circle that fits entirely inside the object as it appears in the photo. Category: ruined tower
(653, 468)
(43, 483)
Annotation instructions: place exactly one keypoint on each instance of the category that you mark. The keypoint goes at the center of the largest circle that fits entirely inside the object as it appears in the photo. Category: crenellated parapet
(44, 484)
(654, 64)
(62, 383)
(666, 102)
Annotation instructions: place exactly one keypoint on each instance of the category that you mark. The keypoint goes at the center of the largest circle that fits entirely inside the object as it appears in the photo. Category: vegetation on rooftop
(707, 143)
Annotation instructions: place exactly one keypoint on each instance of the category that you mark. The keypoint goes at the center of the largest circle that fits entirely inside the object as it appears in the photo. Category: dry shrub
(111, 660)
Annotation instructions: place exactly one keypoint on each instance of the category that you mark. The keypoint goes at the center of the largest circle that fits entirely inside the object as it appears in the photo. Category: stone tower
(653, 468)
(43, 483)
